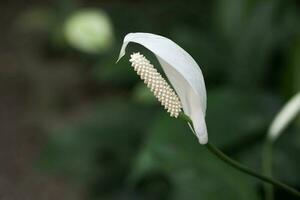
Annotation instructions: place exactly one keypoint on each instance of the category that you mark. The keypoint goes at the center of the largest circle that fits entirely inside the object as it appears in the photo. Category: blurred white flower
(284, 117)
(89, 30)
(183, 73)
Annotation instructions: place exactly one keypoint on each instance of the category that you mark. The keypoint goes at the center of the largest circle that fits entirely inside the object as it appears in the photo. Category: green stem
(250, 172)
(218, 153)
(267, 168)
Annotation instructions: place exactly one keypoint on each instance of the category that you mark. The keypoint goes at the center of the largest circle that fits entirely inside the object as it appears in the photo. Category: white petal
(183, 73)
(284, 117)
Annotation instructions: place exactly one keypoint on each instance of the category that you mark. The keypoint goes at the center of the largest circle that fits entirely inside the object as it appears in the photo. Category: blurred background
(76, 125)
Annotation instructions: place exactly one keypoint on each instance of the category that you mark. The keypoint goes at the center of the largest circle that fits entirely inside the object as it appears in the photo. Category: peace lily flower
(181, 70)
(89, 30)
(284, 117)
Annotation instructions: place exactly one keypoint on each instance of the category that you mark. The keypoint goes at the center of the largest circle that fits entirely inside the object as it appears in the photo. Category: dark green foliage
(124, 146)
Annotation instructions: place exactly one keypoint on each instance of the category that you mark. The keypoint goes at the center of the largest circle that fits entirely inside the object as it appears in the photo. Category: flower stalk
(213, 149)
(267, 167)
(219, 154)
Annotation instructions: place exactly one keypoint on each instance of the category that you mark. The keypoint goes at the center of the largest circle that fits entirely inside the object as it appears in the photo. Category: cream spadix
(157, 84)
(284, 117)
(183, 73)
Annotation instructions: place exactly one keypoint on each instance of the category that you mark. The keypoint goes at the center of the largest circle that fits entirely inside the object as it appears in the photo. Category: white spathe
(183, 73)
(284, 117)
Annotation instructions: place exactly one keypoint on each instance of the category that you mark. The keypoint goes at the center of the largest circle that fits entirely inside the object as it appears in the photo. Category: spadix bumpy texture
(157, 84)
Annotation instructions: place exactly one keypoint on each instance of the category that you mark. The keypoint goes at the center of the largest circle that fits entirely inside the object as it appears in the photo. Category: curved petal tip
(202, 136)
(200, 128)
